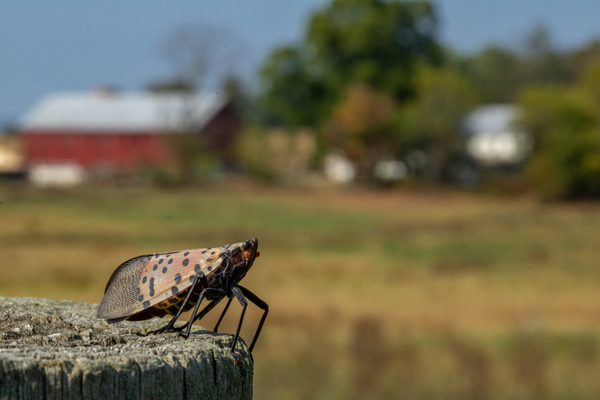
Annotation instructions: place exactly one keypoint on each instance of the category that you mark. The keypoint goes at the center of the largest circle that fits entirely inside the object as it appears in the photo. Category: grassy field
(372, 294)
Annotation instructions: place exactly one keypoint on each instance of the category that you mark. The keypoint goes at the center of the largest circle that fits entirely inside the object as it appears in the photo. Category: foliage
(361, 125)
(292, 90)
(374, 42)
(240, 98)
(542, 62)
(564, 124)
(432, 121)
(371, 78)
(590, 82)
(500, 72)
(494, 71)
(579, 60)
(276, 155)
(194, 161)
(349, 42)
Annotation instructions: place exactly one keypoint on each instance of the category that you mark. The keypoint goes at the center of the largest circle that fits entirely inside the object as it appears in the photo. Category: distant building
(74, 133)
(338, 168)
(11, 160)
(493, 137)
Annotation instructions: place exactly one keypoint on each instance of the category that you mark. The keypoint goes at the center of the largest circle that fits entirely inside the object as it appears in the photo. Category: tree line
(372, 78)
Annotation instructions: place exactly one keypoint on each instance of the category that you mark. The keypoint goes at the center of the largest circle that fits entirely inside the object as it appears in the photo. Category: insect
(159, 284)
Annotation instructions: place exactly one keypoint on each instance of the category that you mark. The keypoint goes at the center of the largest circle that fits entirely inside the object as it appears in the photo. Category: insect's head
(243, 254)
(250, 250)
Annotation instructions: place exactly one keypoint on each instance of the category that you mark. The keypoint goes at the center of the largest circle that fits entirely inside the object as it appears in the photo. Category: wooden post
(60, 350)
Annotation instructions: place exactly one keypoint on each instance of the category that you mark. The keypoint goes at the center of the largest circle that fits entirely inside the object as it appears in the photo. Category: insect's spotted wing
(144, 281)
(121, 293)
(169, 273)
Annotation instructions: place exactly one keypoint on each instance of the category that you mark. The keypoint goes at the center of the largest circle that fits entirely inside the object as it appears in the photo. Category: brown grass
(444, 295)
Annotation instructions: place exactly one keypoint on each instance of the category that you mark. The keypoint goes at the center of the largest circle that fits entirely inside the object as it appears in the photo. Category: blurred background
(423, 178)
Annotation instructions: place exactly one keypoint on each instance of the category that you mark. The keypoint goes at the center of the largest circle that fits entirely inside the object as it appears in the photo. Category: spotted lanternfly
(158, 284)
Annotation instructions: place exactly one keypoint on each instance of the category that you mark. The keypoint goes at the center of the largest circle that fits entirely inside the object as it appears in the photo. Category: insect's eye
(247, 245)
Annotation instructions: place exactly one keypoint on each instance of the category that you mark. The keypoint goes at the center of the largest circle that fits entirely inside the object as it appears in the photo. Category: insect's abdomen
(173, 304)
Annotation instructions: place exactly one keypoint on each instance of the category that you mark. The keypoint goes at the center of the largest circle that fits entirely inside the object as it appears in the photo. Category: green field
(378, 295)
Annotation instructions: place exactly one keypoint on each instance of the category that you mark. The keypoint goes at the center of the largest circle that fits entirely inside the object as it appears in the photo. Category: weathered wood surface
(60, 350)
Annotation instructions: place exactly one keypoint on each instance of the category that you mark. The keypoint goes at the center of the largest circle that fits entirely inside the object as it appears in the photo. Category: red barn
(120, 130)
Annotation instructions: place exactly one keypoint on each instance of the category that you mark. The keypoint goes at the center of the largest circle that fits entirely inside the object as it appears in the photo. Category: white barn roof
(107, 111)
(492, 119)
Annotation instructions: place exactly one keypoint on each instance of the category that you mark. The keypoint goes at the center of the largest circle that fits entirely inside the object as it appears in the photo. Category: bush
(566, 158)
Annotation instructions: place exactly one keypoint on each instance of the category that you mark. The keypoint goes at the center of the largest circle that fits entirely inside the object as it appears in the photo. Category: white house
(493, 136)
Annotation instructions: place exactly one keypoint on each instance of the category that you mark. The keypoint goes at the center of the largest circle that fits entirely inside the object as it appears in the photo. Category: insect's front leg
(262, 305)
(242, 299)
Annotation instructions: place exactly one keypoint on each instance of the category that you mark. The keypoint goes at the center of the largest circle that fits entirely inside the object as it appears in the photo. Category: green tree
(500, 72)
(542, 63)
(293, 90)
(495, 71)
(361, 125)
(373, 42)
(589, 83)
(432, 122)
(578, 61)
(566, 158)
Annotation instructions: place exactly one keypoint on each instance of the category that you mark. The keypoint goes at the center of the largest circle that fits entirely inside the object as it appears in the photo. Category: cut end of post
(51, 349)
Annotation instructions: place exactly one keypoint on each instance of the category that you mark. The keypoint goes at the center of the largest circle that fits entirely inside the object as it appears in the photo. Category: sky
(75, 45)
